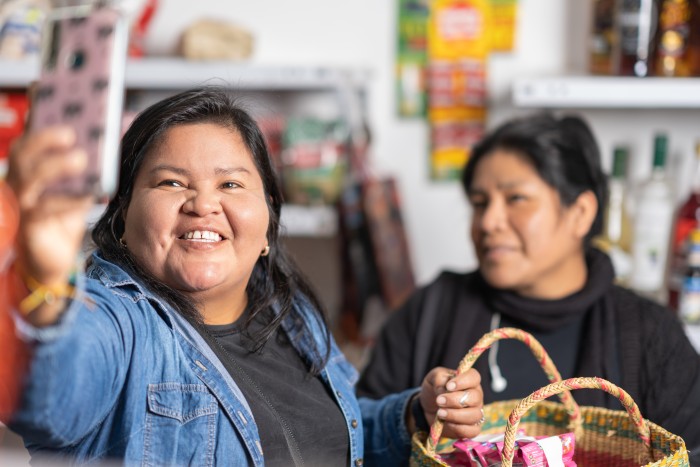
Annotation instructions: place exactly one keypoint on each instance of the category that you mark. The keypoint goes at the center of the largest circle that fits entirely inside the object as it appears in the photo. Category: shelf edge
(607, 92)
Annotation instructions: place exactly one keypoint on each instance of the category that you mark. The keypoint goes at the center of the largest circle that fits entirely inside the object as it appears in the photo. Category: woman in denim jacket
(191, 339)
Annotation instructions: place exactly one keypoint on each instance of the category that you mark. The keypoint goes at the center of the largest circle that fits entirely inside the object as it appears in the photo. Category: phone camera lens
(76, 60)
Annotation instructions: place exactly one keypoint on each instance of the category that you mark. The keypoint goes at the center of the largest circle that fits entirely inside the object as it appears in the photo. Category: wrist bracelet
(40, 294)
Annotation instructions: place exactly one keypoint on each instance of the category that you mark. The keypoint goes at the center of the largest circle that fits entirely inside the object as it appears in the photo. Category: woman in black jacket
(537, 189)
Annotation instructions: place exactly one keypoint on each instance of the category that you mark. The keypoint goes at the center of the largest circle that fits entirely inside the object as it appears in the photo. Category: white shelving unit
(176, 73)
(172, 74)
(602, 92)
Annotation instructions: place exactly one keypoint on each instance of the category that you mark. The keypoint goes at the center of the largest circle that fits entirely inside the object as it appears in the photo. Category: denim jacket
(123, 376)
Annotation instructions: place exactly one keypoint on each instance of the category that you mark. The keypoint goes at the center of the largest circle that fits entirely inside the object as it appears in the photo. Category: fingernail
(441, 400)
(451, 386)
(442, 413)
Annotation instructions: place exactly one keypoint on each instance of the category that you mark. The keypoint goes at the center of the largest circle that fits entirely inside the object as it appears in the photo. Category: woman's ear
(583, 213)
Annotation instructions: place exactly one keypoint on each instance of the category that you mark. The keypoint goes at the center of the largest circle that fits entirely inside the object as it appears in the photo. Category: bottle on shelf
(636, 26)
(603, 41)
(678, 39)
(687, 219)
(616, 237)
(689, 302)
(653, 215)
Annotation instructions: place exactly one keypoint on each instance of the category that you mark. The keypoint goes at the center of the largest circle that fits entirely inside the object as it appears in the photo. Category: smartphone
(81, 84)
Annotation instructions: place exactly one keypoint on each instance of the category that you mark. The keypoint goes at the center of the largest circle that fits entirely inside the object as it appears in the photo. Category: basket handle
(537, 350)
(568, 385)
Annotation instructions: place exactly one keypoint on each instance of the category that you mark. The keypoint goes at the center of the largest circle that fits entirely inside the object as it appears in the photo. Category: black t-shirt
(284, 398)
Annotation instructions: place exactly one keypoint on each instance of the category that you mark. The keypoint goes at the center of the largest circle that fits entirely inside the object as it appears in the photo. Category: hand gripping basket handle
(566, 386)
(537, 350)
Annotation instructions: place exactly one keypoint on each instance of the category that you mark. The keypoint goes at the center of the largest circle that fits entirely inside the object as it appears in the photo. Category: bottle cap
(619, 162)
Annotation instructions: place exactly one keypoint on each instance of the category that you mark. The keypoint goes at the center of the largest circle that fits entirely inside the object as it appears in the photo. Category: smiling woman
(191, 338)
(202, 191)
(524, 238)
(536, 186)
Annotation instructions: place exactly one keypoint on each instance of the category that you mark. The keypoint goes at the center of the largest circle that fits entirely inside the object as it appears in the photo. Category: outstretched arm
(51, 227)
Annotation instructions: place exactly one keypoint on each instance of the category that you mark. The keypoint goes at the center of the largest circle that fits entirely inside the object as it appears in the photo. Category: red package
(13, 112)
(546, 449)
(542, 451)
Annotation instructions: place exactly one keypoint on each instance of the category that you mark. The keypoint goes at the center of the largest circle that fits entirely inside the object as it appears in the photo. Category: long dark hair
(563, 151)
(275, 280)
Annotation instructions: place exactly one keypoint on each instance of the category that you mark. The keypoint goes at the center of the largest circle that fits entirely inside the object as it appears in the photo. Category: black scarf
(598, 355)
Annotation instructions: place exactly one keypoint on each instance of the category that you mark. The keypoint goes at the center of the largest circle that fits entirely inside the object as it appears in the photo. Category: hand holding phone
(82, 85)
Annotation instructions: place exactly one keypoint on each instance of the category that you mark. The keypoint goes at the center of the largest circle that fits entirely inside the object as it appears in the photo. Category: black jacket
(655, 361)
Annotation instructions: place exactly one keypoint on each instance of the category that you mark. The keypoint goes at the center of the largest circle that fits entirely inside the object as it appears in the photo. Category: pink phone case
(82, 85)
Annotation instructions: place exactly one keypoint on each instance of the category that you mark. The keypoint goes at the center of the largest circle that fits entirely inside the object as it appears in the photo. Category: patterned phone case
(82, 85)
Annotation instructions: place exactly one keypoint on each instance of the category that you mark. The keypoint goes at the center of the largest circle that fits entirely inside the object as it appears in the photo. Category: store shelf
(296, 221)
(176, 74)
(607, 92)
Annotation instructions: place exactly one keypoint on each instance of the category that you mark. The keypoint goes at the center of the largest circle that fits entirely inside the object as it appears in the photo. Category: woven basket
(604, 437)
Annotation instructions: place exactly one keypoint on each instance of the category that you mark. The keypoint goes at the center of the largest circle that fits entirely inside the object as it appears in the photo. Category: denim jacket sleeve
(387, 440)
(88, 348)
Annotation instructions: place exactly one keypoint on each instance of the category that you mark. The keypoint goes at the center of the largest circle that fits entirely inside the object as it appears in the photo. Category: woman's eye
(516, 198)
(478, 203)
(172, 183)
(230, 185)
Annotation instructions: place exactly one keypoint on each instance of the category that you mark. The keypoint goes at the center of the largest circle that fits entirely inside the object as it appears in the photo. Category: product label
(503, 18)
(675, 30)
(411, 58)
(459, 40)
(650, 250)
(678, 259)
(460, 23)
(629, 32)
(622, 262)
(690, 300)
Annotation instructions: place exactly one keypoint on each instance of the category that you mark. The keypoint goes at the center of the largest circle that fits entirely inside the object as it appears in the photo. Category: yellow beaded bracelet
(41, 294)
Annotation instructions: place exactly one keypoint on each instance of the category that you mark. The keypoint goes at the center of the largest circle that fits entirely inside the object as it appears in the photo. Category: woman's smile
(206, 236)
(497, 252)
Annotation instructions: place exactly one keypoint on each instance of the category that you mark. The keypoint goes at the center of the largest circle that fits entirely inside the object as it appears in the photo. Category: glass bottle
(678, 43)
(652, 227)
(636, 25)
(602, 38)
(616, 237)
(687, 219)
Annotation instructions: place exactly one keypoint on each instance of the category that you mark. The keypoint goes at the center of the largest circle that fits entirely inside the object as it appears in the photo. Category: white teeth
(203, 235)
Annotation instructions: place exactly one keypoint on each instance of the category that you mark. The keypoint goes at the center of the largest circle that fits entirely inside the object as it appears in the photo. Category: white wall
(551, 39)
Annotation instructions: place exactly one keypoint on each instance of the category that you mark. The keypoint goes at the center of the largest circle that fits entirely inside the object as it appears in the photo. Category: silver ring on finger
(482, 419)
(464, 400)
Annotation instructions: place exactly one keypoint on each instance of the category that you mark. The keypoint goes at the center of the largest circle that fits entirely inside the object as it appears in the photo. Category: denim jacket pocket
(180, 425)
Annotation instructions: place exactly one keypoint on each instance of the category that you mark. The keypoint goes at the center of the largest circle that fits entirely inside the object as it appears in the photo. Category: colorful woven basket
(604, 437)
